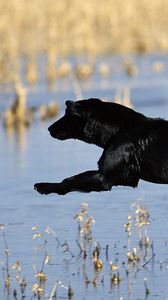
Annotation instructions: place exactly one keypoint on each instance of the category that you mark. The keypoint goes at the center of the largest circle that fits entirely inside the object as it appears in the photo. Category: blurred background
(51, 51)
(67, 27)
(86, 48)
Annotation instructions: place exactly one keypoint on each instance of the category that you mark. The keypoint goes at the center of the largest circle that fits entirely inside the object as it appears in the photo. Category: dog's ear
(69, 103)
(73, 108)
(82, 108)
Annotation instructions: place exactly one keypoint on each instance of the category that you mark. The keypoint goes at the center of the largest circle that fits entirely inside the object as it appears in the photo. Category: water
(33, 156)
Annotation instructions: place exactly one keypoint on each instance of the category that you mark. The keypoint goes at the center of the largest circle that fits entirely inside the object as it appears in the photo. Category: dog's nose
(49, 128)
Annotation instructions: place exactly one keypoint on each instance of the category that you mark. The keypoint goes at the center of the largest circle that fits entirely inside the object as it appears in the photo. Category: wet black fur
(135, 146)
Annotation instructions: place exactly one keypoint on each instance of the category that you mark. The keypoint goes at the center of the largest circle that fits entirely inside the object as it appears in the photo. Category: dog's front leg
(48, 188)
(85, 182)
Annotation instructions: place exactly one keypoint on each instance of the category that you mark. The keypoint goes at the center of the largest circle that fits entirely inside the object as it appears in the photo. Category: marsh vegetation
(113, 246)
(70, 27)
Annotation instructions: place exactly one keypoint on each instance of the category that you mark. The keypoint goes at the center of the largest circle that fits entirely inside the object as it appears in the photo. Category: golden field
(63, 27)
(75, 26)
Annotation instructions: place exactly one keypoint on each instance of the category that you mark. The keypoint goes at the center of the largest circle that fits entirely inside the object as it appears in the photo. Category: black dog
(135, 147)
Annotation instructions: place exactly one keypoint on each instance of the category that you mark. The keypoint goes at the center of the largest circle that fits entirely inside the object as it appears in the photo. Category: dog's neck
(99, 134)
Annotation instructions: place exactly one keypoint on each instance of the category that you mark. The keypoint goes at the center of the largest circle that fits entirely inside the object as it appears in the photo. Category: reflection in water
(10, 134)
(20, 135)
(17, 135)
(27, 155)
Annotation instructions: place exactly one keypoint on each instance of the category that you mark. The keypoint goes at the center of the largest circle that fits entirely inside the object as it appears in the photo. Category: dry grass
(63, 27)
(75, 26)
(92, 264)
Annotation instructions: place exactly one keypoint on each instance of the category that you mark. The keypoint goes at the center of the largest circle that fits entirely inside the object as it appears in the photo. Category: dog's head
(72, 124)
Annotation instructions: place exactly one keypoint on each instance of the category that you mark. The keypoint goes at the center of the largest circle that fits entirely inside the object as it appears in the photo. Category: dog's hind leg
(84, 182)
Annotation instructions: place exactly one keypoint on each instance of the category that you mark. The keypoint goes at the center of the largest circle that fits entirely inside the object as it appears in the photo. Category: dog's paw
(43, 188)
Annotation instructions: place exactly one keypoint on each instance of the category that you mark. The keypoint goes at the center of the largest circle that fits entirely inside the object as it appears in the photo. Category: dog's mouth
(61, 135)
